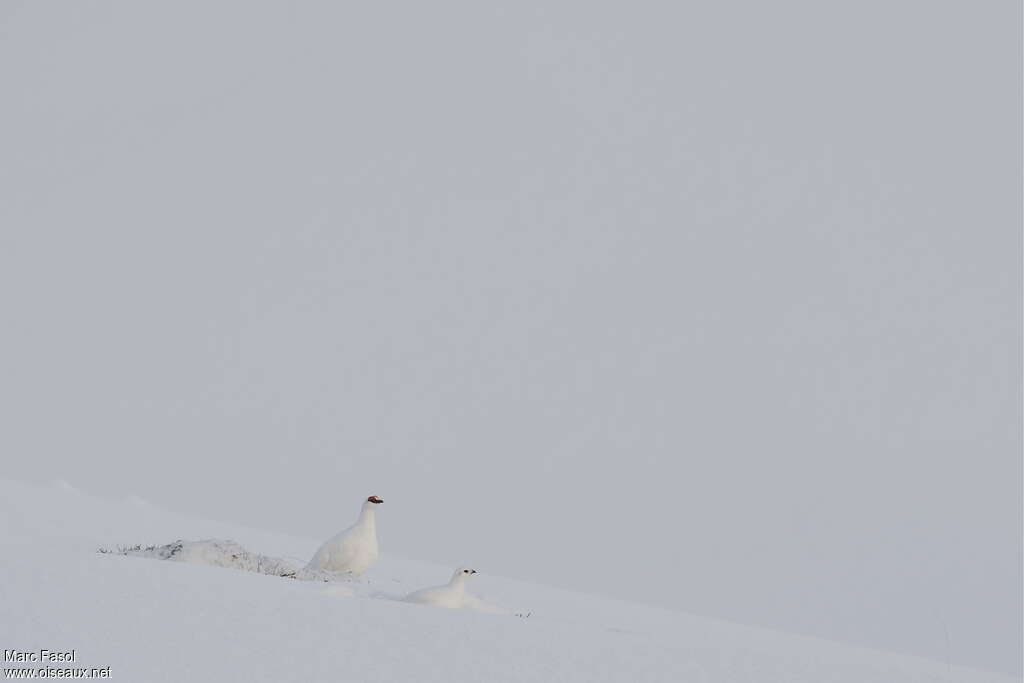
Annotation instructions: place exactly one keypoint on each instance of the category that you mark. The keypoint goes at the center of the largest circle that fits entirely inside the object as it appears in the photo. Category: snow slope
(152, 620)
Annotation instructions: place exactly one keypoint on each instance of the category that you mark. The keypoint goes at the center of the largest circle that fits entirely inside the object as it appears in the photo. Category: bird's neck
(368, 517)
(458, 582)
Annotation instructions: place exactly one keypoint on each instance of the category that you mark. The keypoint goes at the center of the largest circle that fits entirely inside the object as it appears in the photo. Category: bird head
(463, 573)
(374, 499)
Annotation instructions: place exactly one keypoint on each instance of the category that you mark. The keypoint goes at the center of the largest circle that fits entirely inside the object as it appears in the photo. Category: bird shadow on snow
(232, 555)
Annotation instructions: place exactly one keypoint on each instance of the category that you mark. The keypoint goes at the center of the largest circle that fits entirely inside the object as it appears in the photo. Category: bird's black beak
(472, 571)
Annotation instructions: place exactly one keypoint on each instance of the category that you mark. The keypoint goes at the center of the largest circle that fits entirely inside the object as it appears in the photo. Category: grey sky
(711, 305)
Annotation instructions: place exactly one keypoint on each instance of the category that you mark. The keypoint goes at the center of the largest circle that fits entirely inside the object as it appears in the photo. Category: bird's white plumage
(355, 549)
(452, 596)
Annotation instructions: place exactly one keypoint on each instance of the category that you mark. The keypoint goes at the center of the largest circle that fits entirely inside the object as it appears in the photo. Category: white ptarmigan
(452, 596)
(354, 550)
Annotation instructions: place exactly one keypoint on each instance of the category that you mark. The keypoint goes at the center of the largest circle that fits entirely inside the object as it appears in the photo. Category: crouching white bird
(452, 596)
(354, 550)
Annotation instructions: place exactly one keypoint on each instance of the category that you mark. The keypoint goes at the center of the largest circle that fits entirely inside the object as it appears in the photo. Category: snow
(155, 620)
(217, 552)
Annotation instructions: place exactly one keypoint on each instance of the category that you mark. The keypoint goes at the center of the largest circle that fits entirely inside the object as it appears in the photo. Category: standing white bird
(452, 596)
(354, 550)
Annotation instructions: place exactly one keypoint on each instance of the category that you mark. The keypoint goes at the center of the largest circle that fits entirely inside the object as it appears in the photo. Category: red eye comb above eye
(374, 499)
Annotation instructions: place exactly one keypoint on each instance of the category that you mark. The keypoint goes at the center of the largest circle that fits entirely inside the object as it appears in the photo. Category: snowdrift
(192, 617)
(223, 553)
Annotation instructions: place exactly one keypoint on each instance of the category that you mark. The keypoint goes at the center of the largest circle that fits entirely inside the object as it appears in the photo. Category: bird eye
(465, 571)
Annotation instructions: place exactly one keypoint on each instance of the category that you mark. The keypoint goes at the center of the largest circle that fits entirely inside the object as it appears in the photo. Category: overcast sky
(715, 306)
